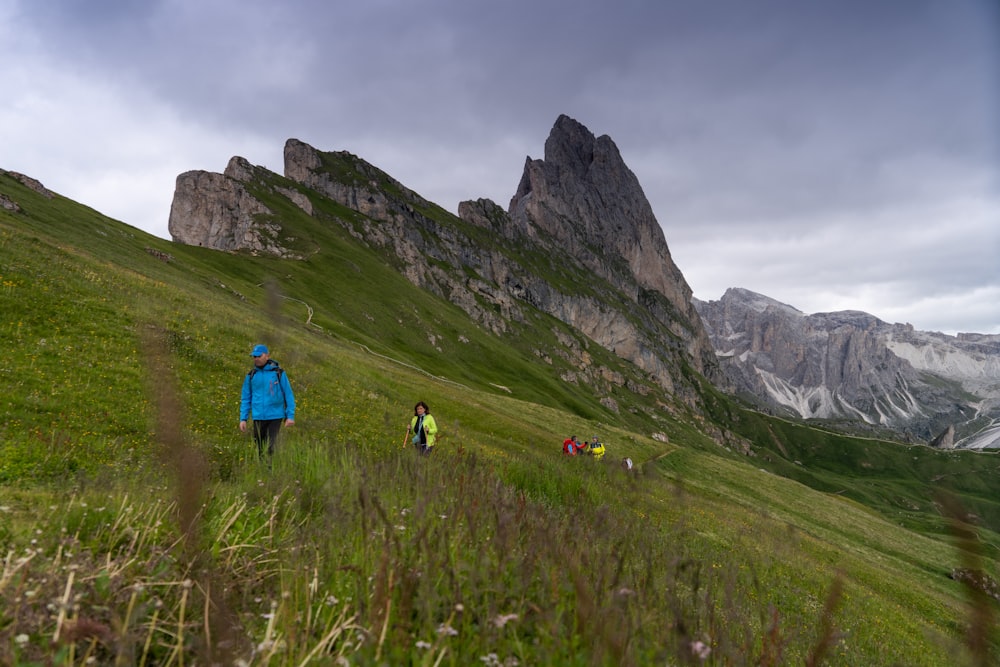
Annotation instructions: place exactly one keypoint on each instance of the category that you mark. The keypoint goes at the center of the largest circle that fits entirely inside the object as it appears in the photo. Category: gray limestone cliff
(851, 367)
(608, 271)
(589, 205)
(578, 242)
(218, 211)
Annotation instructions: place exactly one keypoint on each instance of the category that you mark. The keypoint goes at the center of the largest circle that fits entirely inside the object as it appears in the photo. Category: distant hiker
(596, 448)
(627, 463)
(423, 427)
(571, 446)
(267, 396)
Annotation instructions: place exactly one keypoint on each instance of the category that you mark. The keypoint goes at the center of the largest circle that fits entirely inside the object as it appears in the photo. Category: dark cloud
(826, 151)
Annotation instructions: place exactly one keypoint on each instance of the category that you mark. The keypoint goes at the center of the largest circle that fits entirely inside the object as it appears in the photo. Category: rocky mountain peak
(584, 196)
(585, 201)
(219, 211)
(744, 298)
(853, 367)
(617, 286)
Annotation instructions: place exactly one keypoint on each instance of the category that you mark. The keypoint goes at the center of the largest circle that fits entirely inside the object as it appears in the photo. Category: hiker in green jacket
(423, 427)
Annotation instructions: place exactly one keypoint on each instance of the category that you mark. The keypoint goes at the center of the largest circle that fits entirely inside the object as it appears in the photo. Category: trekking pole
(406, 437)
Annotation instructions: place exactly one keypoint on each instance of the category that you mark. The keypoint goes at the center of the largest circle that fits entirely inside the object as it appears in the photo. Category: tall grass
(333, 556)
(137, 526)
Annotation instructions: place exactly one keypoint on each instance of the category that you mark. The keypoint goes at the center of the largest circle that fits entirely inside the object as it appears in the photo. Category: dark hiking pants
(265, 434)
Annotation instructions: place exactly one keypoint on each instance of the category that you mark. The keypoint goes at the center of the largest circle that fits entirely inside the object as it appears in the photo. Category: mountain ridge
(580, 212)
(570, 209)
(851, 366)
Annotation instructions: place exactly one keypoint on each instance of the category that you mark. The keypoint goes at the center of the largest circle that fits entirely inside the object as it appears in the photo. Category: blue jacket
(267, 394)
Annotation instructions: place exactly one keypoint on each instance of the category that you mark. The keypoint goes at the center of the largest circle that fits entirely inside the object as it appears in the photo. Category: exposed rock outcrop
(578, 242)
(31, 183)
(218, 211)
(946, 440)
(852, 367)
(590, 205)
(10, 204)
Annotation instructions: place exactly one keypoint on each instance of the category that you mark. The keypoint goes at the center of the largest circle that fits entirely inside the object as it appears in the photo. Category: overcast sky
(833, 155)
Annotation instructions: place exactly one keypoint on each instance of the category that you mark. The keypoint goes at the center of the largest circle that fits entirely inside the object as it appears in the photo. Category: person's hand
(243, 426)
(289, 422)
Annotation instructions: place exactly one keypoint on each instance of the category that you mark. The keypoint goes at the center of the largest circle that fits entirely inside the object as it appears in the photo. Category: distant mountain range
(579, 242)
(858, 372)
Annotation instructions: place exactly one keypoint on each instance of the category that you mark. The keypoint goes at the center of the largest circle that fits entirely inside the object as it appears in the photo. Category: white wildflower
(503, 619)
(445, 629)
(700, 649)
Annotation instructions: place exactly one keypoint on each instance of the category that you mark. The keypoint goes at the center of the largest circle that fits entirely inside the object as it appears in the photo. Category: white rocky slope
(970, 359)
(850, 366)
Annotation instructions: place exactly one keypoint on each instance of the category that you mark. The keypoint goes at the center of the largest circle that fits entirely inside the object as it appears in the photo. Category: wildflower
(503, 619)
(459, 607)
(445, 629)
(423, 645)
(700, 649)
(21, 639)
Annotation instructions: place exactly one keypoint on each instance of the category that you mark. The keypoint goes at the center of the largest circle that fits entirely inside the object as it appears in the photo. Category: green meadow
(137, 526)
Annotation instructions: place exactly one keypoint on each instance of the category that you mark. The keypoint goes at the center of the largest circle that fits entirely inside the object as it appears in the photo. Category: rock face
(581, 207)
(851, 366)
(218, 211)
(7, 203)
(579, 242)
(584, 197)
(584, 202)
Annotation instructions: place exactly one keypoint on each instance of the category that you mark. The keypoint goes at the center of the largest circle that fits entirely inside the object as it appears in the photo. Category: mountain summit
(590, 205)
(579, 242)
(852, 368)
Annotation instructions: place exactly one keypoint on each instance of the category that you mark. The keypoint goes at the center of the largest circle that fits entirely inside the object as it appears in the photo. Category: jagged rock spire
(585, 199)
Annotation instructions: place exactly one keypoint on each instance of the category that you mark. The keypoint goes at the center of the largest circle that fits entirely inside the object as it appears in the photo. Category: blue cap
(258, 350)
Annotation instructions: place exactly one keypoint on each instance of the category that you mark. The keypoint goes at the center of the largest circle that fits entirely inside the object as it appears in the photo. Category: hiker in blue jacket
(268, 397)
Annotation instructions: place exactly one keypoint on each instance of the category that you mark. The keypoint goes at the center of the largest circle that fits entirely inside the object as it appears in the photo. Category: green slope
(119, 344)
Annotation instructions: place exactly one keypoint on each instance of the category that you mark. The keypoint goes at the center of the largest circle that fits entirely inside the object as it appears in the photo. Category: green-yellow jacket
(429, 430)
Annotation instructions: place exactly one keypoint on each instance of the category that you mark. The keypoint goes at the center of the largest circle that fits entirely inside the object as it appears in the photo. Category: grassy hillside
(138, 528)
